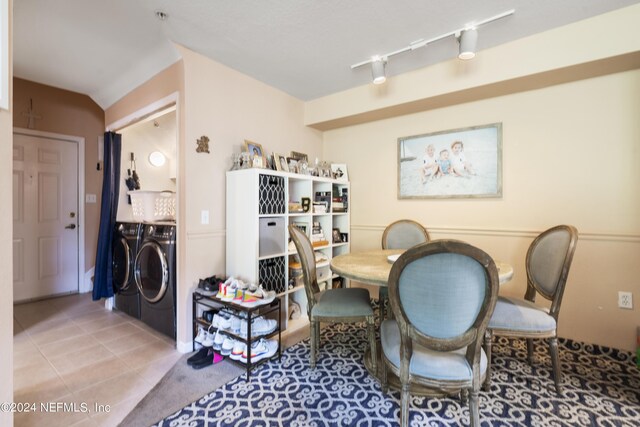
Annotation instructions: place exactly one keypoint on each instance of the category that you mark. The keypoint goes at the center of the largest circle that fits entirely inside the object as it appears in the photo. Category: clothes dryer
(155, 275)
(126, 243)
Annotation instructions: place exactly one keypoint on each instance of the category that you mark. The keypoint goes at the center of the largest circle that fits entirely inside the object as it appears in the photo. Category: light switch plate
(90, 198)
(204, 217)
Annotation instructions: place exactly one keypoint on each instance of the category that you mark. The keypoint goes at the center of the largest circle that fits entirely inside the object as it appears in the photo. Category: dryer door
(151, 272)
(122, 258)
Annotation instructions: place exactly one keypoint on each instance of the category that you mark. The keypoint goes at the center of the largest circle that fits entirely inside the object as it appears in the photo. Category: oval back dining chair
(548, 261)
(442, 294)
(341, 305)
(401, 234)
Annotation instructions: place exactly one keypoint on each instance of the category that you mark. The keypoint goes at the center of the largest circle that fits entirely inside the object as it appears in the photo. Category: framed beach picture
(455, 163)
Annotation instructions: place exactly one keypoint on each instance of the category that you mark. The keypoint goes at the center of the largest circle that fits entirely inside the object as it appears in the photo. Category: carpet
(601, 388)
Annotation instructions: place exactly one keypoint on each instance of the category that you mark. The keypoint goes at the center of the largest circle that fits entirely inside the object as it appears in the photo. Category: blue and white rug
(601, 388)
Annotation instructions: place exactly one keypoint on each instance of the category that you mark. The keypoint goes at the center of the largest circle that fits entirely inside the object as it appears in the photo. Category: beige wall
(570, 155)
(74, 114)
(6, 249)
(228, 107)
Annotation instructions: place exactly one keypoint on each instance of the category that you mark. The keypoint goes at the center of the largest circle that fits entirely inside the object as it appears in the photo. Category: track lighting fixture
(467, 38)
(378, 71)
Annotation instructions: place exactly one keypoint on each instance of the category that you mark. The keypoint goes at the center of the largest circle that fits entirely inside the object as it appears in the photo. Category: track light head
(378, 70)
(468, 42)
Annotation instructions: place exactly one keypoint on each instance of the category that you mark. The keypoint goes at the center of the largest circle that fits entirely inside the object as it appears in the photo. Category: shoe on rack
(222, 290)
(204, 362)
(202, 334)
(259, 326)
(208, 340)
(236, 324)
(199, 355)
(204, 288)
(262, 349)
(260, 295)
(218, 340)
(238, 348)
(227, 346)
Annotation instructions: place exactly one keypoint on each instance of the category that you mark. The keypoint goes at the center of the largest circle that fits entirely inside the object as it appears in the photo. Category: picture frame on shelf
(292, 164)
(339, 172)
(256, 152)
(280, 162)
(336, 236)
(456, 163)
(299, 156)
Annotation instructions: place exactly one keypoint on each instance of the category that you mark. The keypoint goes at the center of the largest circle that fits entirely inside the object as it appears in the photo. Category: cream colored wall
(570, 155)
(6, 247)
(228, 107)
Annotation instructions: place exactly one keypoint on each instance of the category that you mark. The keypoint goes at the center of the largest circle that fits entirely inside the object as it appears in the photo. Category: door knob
(71, 226)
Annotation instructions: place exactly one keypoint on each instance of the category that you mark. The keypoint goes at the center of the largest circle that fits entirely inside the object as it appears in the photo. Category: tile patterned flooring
(71, 349)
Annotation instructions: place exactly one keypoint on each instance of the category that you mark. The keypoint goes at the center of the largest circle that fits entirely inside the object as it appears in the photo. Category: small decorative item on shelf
(320, 207)
(339, 172)
(303, 167)
(306, 204)
(299, 156)
(245, 160)
(344, 237)
(317, 235)
(295, 207)
(255, 151)
(236, 162)
(336, 236)
(293, 165)
(280, 162)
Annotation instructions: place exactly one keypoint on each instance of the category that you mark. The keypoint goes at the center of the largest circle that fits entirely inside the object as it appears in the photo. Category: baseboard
(184, 347)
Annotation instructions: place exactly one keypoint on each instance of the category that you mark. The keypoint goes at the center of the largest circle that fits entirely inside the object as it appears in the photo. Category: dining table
(372, 267)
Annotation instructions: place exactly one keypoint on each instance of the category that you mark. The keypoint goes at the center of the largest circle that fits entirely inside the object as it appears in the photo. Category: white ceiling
(304, 47)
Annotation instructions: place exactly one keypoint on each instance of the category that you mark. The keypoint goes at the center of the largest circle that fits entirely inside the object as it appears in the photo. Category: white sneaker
(259, 326)
(238, 348)
(208, 339)
(261, 295)
(236, 325)
(218, 340)
(262, 349)
(202, 334)
(227, 346)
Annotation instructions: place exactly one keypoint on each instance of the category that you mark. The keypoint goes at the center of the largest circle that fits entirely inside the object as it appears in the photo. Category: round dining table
(373, 268)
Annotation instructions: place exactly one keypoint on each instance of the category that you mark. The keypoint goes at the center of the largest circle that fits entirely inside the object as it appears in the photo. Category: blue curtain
(103, 276)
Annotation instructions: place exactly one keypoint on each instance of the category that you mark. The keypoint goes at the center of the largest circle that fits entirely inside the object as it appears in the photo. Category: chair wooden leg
(314, 343)
(371, 329)
(384, 382)
(318, 336)
(530, 350)
(488, 337)
(404, 406)
(555, 362)
(474, 408)
(383, 296)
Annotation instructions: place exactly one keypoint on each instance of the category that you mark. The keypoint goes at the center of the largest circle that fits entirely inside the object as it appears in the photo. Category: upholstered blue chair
(342, 305)
(442, 294)
(401, 234)
(548, 261)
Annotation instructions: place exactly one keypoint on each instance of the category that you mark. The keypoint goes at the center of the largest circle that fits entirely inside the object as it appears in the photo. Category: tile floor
(71, 349)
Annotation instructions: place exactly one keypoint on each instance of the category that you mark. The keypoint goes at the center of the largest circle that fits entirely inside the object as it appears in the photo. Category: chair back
(308, 261)
(548, 261)
(442, 294)
(404, 234)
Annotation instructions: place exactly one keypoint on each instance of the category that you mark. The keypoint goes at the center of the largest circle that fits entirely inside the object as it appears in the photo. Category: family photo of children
(458, 163)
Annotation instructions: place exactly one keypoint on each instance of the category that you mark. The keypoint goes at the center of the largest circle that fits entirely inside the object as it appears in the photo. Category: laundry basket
(153, 206)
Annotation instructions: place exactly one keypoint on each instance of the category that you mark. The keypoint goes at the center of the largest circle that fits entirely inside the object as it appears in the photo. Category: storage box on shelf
(261, 204)
(202, 303)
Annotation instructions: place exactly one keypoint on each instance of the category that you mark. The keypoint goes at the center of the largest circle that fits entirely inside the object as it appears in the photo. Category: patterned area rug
(601, 388)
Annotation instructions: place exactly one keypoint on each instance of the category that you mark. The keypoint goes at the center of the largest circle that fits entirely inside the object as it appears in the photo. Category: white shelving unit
(258, 217)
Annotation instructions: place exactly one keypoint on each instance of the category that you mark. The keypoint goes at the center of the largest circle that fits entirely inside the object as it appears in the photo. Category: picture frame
(339, 172)
(280, 162)
(292, 164)
(299, 156)
(254, 149)
(336, 236)
(457, 163)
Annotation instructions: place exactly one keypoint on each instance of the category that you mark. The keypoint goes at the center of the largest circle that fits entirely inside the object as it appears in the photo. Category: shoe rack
(202, 303)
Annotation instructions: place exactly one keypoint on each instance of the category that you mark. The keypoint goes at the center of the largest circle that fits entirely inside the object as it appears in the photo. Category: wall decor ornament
(459, 163)
(203, 144)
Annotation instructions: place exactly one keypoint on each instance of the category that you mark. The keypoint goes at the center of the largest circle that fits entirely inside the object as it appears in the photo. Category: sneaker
(260, 295)
(238, 348)
(218, 340)
(199, 355)
(230, 290)
(259, 326)
(236, 324)
(227, 346)
(202, 334)
(208, 339)
(222, 288)
(262, 349)
(239, 296)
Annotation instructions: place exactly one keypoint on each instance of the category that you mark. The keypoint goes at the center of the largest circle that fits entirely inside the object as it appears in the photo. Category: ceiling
(303, 47)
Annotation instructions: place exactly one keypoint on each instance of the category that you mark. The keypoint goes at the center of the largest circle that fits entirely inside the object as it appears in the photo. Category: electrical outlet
(625, 300)
(204, 217)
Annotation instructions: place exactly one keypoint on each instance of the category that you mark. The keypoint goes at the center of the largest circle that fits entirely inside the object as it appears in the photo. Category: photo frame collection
(254, 156)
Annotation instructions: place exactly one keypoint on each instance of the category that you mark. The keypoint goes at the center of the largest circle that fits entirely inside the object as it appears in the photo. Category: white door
(45, 217)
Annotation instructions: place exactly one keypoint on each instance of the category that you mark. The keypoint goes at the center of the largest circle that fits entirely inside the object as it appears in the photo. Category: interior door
(45, 222)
